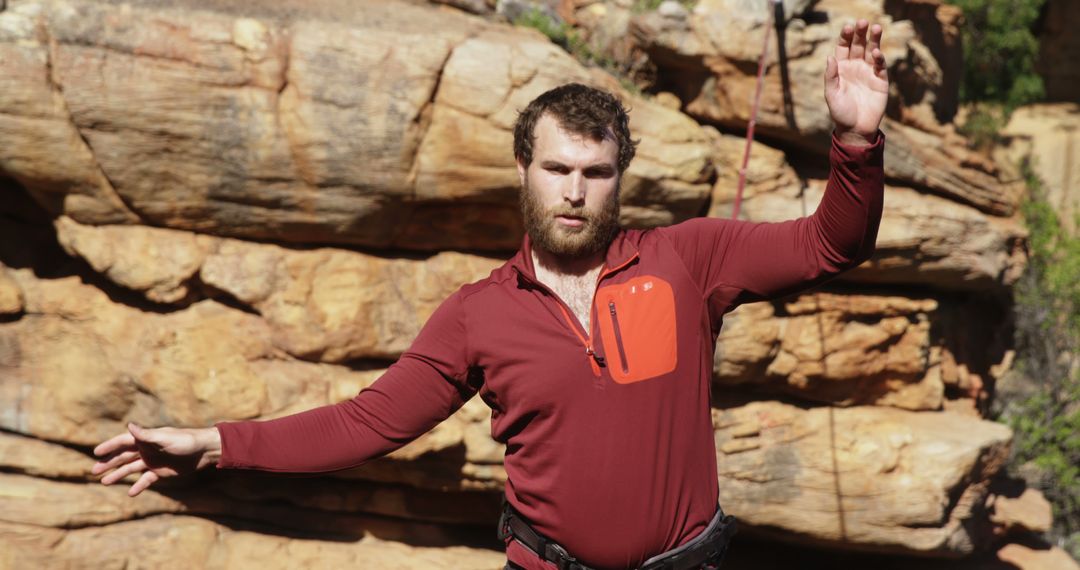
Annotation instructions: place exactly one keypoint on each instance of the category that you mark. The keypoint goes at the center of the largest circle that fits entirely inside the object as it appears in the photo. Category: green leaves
(1047, 307)
(999, 52)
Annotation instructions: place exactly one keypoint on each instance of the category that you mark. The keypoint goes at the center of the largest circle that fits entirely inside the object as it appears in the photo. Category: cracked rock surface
(241, 210)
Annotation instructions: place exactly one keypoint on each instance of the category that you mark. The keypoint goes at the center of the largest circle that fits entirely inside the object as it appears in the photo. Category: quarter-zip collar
(620, 253)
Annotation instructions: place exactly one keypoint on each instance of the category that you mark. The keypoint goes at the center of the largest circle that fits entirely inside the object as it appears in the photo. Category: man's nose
(575, 191)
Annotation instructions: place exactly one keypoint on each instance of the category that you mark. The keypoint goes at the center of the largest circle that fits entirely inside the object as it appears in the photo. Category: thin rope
(754, 110)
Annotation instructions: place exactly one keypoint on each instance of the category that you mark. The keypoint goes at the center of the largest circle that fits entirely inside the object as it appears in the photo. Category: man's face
(570, 191)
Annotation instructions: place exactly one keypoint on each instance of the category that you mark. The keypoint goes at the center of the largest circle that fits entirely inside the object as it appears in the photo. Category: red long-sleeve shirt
(609, 441)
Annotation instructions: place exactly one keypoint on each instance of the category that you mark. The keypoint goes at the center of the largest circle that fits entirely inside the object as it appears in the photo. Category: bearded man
(593, 346)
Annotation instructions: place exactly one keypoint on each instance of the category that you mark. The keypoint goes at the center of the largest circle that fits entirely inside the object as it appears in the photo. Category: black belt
(708, 547)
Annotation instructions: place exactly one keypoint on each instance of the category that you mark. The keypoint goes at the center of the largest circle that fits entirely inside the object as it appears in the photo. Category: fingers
(880, 69)
(145, 480)
(140, 433)
(874, 42)
(847, 33)
(133, 467)
(114, 444)
(858, 43)
(120, 459)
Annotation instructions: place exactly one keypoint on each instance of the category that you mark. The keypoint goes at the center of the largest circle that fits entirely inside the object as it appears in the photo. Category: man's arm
(406, 402)
(427, 384)
(761, 261)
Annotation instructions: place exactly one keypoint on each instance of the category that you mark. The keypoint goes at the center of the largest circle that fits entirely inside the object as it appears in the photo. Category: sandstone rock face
(1028, 512)
(1025, 558)
(709, 59)
(856, 349)
(51, 154)
(944, 165)
(839, 349)
(324, 304)
(284, 134)
(11, 297)
(196, 167)
(165, 386)
(156, 261)
(191, 367)
(923, 239)
(1048, 137)
(169, 541)
(892, 479)
(716, 48)
(31, 456)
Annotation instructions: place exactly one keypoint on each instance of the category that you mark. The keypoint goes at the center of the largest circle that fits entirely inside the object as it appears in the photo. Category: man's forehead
(554, 141)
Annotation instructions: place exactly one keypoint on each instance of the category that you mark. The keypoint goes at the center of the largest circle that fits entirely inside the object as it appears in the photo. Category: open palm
(153, 454)
(856, 81)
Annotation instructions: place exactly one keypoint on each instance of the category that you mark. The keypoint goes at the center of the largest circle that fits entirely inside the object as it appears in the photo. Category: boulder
(845, 350)
(1024, 512)
(944, 164)
(863, 348)
(32, 456)
(870, 478)
(56, 504)
(158, 262)
(1040, 557)
(325, 304)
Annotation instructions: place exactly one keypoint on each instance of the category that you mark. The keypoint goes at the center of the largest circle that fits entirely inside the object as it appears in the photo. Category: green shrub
(1046, 420)
(571, 40)
(999, 52)
(558, 32)
(641, 6)
(983, 125)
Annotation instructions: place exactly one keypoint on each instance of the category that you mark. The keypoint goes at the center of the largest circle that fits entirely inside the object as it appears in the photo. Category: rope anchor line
(754, 109)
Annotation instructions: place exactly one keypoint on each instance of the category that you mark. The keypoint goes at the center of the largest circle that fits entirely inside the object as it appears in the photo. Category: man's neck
(547, 262)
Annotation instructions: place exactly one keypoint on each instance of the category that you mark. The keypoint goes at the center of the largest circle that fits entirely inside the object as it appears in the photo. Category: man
(592, 346)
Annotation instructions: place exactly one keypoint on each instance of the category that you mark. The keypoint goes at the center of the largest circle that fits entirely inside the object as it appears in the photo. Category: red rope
(754, 111)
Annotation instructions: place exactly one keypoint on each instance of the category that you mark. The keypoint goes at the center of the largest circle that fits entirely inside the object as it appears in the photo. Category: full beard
(591, 237)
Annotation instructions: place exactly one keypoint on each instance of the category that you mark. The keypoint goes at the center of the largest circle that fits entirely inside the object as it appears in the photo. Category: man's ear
(521, 168)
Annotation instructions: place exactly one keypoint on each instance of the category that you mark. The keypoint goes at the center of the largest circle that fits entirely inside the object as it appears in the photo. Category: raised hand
(155, 454)
(857, 83)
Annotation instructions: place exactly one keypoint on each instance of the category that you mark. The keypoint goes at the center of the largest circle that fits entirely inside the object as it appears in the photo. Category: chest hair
(575, 290)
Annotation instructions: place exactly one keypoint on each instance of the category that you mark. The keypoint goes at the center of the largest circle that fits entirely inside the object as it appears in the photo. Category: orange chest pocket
(637, 325)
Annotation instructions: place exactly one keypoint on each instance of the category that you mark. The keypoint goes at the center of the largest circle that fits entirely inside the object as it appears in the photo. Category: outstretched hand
(155, 454)
(857, 83)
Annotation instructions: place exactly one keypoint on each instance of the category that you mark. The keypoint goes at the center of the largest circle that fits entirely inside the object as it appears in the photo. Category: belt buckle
(564, 559)
(503, 532)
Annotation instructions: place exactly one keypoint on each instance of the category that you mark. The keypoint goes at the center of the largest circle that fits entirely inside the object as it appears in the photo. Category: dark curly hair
(580, 109)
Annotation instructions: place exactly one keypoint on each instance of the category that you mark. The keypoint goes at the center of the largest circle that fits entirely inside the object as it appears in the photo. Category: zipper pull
(599, 359)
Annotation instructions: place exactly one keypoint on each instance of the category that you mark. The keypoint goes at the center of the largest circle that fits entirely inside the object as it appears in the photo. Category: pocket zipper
(618, 337)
